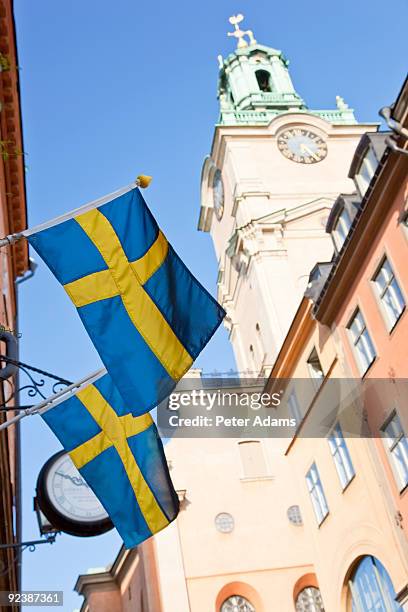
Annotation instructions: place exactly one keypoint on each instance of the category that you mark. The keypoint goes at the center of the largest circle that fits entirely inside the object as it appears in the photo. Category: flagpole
(53, 400)
(142, 181)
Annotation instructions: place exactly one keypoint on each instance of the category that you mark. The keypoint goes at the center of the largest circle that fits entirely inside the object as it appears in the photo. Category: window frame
(266, 475)
(337, 239)
(389, 448)
(376, 575)
(322, 515)
(295, 411)
(380, 294)
(317, 380)
(264, 72)
(305, 590)
(220, 522)
(362, 367)
(340, 464)
(365, 161)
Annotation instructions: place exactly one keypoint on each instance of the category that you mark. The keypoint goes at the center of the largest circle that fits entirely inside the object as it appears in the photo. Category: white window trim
(387, 322)
(319, 520)
(400, 485)
(340, 221)
(299, 416)
(345, 485)
(368, 153)
(363, 370)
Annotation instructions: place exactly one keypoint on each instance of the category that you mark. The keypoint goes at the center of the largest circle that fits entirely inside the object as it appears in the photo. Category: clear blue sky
(111, 90)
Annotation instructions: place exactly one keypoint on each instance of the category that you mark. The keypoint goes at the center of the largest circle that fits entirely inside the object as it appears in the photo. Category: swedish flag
(146, 314)
(120, 456)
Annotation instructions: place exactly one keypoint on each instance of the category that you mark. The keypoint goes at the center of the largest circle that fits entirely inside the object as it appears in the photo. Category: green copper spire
(255, 85)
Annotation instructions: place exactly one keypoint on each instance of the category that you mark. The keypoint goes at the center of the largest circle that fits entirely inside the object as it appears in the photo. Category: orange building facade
(371, 278)
(13, 263)
(349, 338)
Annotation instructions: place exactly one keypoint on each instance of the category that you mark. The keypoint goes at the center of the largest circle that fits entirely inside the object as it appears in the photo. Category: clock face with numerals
(302, 146)
(67, 500)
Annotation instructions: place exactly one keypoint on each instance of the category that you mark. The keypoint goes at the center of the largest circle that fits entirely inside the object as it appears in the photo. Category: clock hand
(79, 482)
(74, 479)
(305, 149)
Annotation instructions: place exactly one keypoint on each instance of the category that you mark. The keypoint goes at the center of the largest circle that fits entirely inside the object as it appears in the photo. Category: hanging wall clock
(66, 500)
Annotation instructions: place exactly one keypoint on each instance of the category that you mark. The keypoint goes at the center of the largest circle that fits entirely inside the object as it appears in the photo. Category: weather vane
(239, 34)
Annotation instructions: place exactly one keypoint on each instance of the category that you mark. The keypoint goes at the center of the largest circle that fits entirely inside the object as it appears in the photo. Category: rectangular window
(315, 369)
(342, 228)
(389, 293)
(397, 445)
(341, 456)
(294, 408)
(363, 346)
(366, 171)
(252, 458)
(316, 493)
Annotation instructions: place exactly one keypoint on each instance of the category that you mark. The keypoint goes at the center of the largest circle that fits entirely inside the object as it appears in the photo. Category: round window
(294, 515)
(224, 522)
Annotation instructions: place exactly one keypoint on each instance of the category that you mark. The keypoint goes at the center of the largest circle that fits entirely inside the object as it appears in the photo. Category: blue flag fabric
(146, 314)
(121, 458)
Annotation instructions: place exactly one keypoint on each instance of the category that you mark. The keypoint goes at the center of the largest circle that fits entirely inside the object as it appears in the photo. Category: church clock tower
(274, 171)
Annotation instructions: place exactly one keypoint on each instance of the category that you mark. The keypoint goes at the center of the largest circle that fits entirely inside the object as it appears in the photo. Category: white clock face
(70, 494)
(302, 146)
(218, 194)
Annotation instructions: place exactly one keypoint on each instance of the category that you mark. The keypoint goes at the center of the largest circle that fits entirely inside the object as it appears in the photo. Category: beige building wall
(273, 225)
(270, 235)
(264, 551)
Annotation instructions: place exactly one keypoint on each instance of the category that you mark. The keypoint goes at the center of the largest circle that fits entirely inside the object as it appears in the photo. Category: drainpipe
(18, 501)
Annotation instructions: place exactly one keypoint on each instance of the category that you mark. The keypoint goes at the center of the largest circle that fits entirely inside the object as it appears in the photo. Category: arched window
(264, 80)
(236, 603)
(238, 597)
(371, 588)
(309, 600)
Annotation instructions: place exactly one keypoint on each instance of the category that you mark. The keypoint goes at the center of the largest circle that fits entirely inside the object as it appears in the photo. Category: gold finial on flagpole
(143, 180)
